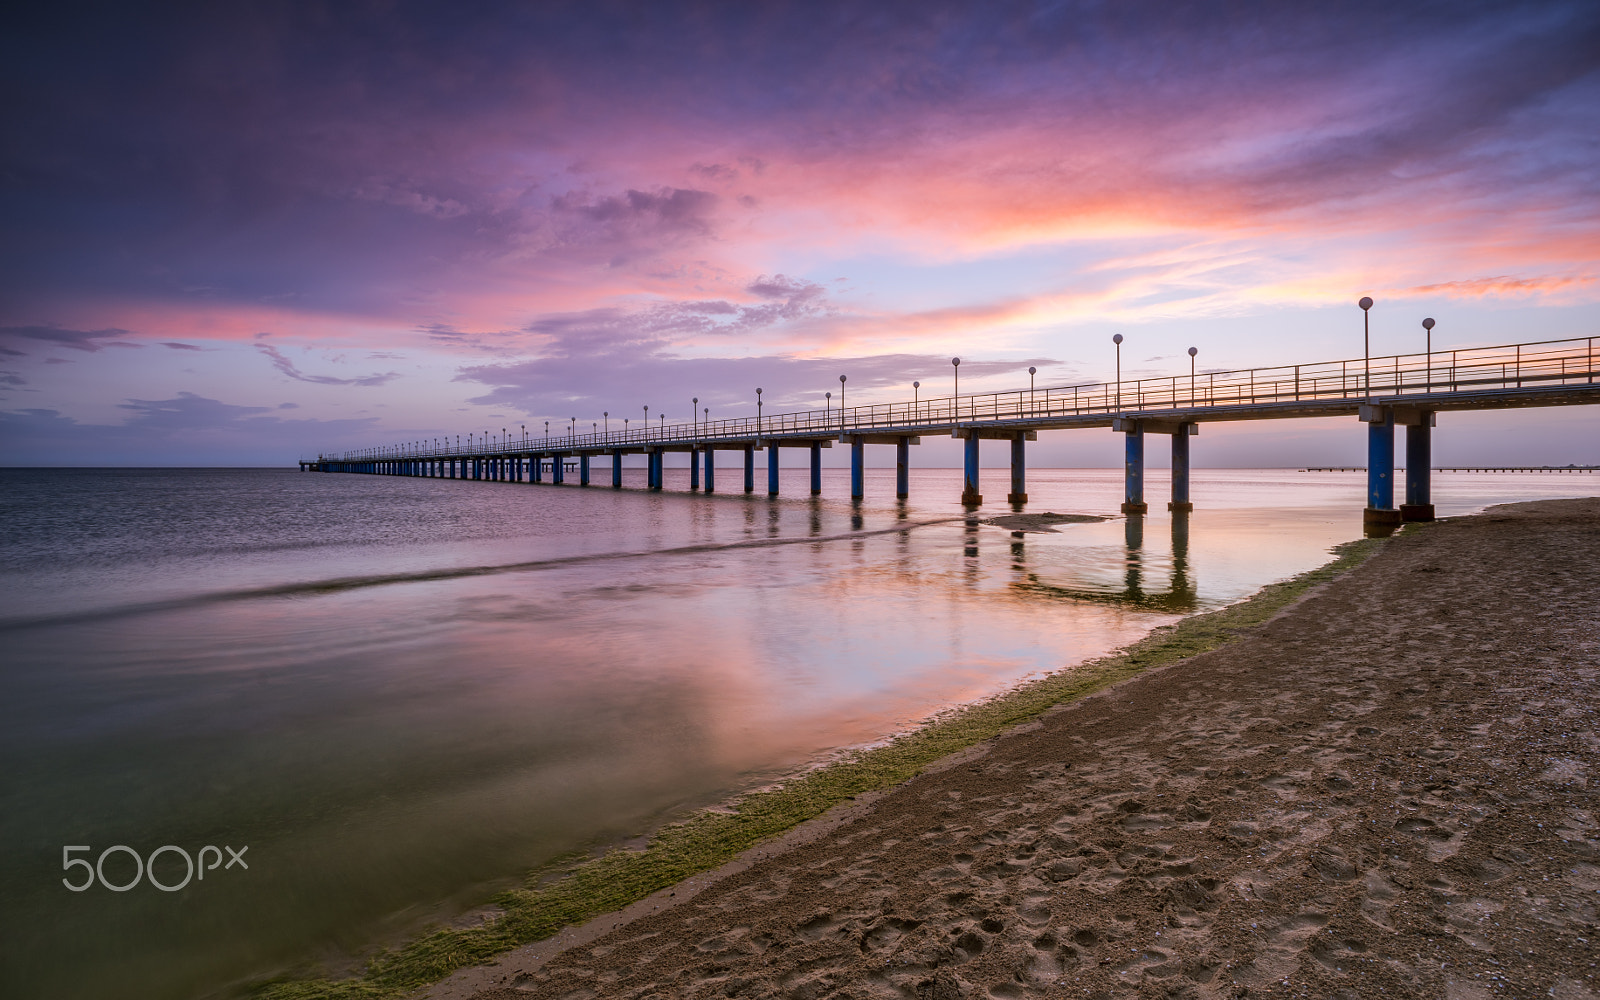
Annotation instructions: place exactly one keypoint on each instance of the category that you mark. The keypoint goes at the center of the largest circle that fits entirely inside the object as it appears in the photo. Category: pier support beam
(749, 468)
(902, 467)
(1133, 468)
(558, 472)
(1419, 469)
(655, 476)
(816, 467)
(772, 468)
(857, 471)
(711, 470)
(583, 470)
(1019, 468)
(1180, 469)
(616, 468)
(969, 477)
(694, 468)
(1380, 511)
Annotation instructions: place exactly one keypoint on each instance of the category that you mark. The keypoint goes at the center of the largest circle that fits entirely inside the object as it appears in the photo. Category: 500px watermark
(145, 868)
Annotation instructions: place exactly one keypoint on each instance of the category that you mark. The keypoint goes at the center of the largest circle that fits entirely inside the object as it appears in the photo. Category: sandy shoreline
(1384, 791)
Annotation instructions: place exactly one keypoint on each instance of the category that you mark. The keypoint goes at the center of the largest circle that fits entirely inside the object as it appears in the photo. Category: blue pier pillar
(583, 469)
(1019, 468)
(1180, 468)
(656, 478)
(857, 471)
(558, 473)
(772, 468)
(969, 478)
(694, 468)
(1380, 511)
(902, 467)
(711, 470)
(749, 468)
(816, 467)
(1419, 469)
(616, 468)
(537, 465)
(1133, 468)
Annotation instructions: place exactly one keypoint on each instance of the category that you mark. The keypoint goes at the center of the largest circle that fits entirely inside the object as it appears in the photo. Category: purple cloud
(55, 336)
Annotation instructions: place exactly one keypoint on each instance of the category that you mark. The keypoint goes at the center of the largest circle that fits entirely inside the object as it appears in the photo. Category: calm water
(398, 694)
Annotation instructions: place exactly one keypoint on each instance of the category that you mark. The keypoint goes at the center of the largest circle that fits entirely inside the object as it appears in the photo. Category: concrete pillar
(1180, 469)
(857, 471)
(583, 469)
(694, 468)
(558, 472)
(1133, 468)
(537, 466)
(656, 478)
(749, 468)
(1019, 468)
(772, 468)
(1419, 470)
(969, 478)
(711, 470)
(816, 467)
(616, 468)
(1380, 509)
(902, 467)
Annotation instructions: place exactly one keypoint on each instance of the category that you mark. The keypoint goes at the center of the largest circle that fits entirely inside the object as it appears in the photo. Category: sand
(1384, 791)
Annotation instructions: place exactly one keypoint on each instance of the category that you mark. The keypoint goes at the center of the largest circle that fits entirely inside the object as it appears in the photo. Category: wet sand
(1384, 791)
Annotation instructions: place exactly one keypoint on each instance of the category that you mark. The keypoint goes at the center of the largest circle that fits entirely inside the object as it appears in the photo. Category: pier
(1383, 393)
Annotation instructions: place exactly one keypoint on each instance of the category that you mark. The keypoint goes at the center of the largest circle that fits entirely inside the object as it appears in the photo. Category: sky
(241, 234)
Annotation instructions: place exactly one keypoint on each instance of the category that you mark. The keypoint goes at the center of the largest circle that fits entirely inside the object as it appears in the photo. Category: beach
(1384, 790)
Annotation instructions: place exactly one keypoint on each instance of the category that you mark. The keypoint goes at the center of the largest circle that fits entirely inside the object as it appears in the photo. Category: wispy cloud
(288, 367)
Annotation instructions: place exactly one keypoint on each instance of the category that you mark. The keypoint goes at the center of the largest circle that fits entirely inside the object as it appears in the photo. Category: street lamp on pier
(841, 404)
(758, 413)
(916, 402)
(1118, 341)
(956, 364)
(647, 422)
(1032, 371)
(1427, 325)
(694, 416)
(1366, 344)
(1192, 352)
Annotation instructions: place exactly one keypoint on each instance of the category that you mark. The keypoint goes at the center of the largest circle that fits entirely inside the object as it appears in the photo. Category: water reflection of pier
(1179, 596)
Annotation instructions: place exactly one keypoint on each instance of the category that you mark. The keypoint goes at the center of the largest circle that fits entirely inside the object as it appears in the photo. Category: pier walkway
(1385, 392)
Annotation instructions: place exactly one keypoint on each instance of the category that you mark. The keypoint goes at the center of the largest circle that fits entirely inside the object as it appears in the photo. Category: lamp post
(758, 413)
(956, 364)
(1427, 325)
(841, 404)
(606, 416)
(827, 408)
(547, 435)
(694, 416)
(1031, 372)
(572, 430)
(1366, 345)
(1118, 341)
(1192, 352)
(916, 400)
(647, 423)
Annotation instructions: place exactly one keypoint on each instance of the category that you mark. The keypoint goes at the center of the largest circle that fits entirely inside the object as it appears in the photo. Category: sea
(257, 722)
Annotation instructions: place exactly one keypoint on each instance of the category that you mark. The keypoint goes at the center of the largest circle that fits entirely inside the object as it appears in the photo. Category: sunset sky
(240, 234)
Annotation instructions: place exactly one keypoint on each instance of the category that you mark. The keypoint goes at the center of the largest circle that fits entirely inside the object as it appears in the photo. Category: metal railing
(1547, 363)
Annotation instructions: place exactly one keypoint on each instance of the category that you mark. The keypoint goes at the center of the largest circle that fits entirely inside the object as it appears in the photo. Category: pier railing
(1547, 363)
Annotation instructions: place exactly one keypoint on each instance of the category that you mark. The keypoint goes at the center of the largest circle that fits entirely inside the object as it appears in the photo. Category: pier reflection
(1180, 596)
